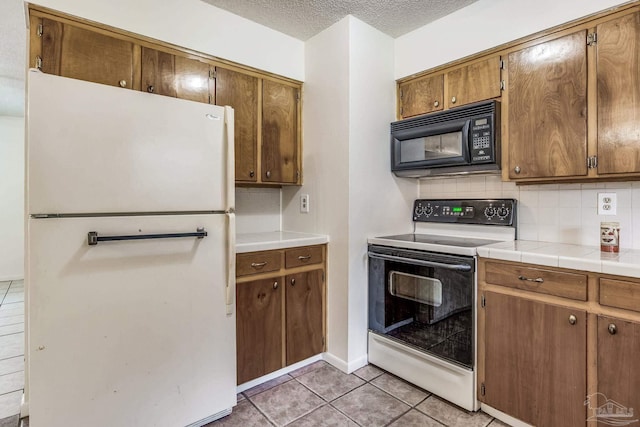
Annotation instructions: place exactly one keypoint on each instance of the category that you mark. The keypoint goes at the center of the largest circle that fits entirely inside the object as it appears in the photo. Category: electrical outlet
(304, 203)
(607, 203)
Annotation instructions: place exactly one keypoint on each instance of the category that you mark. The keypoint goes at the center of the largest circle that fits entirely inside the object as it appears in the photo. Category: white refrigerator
(130, 278)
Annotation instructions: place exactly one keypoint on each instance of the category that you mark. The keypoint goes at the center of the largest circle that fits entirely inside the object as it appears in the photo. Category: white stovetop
(577, 257)
(251, 242)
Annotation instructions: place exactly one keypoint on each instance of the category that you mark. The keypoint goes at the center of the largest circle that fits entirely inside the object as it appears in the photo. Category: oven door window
(423, 290)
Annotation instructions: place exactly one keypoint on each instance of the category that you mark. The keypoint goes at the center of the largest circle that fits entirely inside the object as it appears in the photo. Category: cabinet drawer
(298, 257)
(258, 262)
(620, 294)
(558, 283)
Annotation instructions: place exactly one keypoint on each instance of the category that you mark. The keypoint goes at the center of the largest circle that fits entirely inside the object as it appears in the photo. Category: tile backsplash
(258, 210)
(565, 213)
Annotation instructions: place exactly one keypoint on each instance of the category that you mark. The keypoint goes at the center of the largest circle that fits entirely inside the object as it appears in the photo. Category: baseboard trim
(346, 367)
(278, 373)
(10, 278)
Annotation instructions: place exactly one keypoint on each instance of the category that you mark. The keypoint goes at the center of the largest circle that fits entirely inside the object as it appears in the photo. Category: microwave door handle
(456, 267)
(466, 141)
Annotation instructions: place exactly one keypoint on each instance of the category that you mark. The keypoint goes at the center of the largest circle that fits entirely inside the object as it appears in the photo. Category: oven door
(424, 300)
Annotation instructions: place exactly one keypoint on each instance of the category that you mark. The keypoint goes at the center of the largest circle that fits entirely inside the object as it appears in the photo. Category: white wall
(349, 103)
(483, 25)
(11, 198)
(258, 210)
(565, 213)
(196, 25)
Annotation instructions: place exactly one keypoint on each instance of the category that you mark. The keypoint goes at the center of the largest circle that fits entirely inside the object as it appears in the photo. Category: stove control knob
(489, 212)
(503, 212)
(419, 211)
(428, 210)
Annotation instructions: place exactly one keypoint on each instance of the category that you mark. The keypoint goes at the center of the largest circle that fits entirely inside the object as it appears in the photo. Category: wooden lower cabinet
(304, 315)
(280, 313)
(258, 328)
(535, 360)
(618, 367)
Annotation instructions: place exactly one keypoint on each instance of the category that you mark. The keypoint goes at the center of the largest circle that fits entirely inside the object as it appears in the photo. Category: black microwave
(462, 140)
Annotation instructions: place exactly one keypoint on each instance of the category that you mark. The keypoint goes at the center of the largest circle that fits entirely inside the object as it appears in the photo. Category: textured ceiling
(304, 19)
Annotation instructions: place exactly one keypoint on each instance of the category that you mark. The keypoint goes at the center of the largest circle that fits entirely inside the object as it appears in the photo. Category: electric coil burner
(422, 288)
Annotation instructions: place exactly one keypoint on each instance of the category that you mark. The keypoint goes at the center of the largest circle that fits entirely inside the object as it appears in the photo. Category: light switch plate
(607, 203)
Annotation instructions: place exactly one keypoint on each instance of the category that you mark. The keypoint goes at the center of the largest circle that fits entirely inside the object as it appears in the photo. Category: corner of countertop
(265, 241)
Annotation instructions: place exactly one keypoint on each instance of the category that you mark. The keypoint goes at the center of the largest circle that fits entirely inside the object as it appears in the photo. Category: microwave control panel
(466, 211)
(481, 134)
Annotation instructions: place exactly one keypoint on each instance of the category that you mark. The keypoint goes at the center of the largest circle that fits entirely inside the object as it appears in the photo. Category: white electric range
(422, 290)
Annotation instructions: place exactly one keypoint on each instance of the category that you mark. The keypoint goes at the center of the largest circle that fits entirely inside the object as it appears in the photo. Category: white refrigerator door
(129, 333)
(94, 148)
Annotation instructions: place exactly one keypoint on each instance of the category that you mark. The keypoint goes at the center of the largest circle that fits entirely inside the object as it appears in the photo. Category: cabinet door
(304, 317)
(475, 82)
(258, 328)
(170, 75)
(279, 133)
(240, 91)
(78, 53)
(535, 361)
(618, 369)
(421, 96)
(547, 109)
(618, 70)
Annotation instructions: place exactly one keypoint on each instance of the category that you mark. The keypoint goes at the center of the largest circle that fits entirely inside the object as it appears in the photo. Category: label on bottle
(610, 236)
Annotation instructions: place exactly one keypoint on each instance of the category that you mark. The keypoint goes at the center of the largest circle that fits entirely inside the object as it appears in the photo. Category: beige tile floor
(321, 395)
(11, 351)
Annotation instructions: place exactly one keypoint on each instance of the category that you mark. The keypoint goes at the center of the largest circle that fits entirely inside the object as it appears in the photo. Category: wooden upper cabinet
(535, 360)
(475, 82)
(618, 76)
(176, 76)
(547, 109)
(618, 367)
(421, 96)
(304, 315)
(240, 91)
(78, 53)
(280, 163)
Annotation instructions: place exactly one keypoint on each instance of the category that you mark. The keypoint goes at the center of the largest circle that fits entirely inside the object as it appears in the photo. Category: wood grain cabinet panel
(547, 109)
(421, 96)
(279, 133)
(307, 255)
(259, 328)
(176, 76)
(77, 53)
(618, 75)
(535, 361)
(258, 262)
(618, 367)
(304, 315)
(240, 91)
(620, 294)
(475, 82)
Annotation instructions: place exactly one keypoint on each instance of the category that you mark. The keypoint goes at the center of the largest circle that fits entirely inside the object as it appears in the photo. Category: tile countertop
(577, 257)
(251, 242)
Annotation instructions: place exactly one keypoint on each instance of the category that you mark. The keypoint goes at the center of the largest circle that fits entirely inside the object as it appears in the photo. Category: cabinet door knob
(150, 89)
(268, 173)
(572, 319)
(453, 99)
(612, 328)
(122, 83)
(293, 282)
(436, 103)
(275, 285)
(517, 169)
(252, 174)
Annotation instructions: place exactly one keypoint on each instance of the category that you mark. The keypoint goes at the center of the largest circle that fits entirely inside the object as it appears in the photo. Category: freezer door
(94, 148)
(132, 332)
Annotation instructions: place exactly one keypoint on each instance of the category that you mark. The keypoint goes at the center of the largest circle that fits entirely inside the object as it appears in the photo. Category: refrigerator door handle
(231, 262)
(231, 162)
(93, 238)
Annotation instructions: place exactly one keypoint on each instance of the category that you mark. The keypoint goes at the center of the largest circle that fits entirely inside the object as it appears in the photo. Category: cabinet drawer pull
(293, 282)
(573, 320)
(612, 328)
(304, 258)
(537, 280)
(258, 265)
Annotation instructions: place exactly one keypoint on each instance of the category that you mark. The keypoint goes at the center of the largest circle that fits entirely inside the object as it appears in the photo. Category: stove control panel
(466, 211)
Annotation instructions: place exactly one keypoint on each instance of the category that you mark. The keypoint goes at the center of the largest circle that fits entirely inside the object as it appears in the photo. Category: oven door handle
(457, 267)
